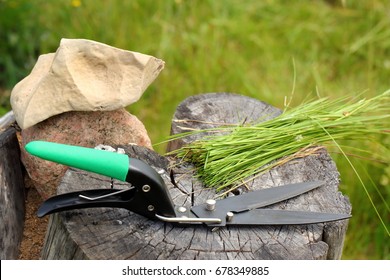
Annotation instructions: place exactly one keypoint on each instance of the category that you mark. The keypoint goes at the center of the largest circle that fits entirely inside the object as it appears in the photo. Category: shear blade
(265, 197)
(254, 199)
(244, 208)
(282, 217)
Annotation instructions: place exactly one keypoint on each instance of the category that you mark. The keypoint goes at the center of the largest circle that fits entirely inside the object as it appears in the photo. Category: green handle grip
(98, 161)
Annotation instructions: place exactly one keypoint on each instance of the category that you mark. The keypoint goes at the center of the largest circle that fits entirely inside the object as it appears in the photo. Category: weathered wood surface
(6, 120)
(108, 233)
(213, 110)
(12, 207)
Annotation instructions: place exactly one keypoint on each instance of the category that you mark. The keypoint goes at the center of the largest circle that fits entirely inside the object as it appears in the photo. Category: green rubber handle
(98, 161)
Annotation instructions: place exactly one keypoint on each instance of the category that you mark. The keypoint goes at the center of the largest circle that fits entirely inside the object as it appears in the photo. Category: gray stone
(82, 75)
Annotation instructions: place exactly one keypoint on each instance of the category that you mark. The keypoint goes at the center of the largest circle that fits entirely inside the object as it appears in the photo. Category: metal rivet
(229, 216)
(210, 204)
(150, 208)
(181, 209)
(146, 188)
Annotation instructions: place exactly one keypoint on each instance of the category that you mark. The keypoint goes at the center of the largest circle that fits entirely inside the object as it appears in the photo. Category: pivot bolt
(150, 208)
(210, 204)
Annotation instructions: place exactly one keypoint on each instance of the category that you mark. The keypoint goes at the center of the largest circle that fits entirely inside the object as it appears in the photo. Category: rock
(82, 75)
(87, 129)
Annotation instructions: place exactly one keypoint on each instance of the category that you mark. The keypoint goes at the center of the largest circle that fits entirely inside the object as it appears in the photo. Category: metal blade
(283, 217)
(258, 217)
(275, 217)
(242, 209)
(257, 199)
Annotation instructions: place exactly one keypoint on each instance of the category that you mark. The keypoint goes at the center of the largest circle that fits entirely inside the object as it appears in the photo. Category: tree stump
(107, 233)
(12, 207)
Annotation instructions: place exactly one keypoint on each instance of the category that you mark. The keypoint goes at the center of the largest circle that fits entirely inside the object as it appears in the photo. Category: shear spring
(103, 196)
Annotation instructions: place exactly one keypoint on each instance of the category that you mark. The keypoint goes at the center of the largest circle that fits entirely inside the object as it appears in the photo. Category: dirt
(34, 228)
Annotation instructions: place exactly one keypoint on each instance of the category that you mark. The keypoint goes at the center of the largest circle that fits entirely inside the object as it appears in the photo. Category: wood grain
(12, 206)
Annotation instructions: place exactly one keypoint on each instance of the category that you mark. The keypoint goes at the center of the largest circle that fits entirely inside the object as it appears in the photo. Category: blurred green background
(335, 48)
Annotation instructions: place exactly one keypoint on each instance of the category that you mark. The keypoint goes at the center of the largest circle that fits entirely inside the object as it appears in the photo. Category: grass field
(255, 48)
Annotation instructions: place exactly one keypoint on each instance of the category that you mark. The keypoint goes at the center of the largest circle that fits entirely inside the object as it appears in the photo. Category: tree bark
(108, 233)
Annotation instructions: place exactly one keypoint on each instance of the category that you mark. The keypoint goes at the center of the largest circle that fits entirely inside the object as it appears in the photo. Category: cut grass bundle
(229, 160)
